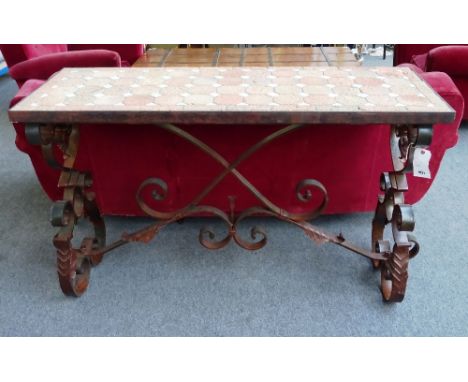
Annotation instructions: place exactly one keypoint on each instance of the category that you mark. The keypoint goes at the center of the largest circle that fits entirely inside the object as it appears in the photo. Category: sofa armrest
(43, 67)
(452, 60)
(25, 90)
(129, 53)
(446, 135)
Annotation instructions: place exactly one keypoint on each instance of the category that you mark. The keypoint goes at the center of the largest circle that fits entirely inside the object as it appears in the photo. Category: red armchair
(40, 61)
(451, 59)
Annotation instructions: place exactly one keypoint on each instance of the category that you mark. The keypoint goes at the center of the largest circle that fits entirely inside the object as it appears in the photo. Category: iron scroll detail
(207, 237)
(305, 190)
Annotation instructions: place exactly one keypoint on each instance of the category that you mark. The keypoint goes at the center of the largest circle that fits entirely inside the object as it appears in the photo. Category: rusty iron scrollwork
(73, 264)
(393, 211)
(257, 239)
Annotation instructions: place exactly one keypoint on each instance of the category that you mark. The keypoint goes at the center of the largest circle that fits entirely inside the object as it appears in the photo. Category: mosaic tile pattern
(276, 89)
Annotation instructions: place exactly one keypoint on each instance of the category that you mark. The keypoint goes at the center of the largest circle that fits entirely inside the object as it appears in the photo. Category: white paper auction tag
(421, 163)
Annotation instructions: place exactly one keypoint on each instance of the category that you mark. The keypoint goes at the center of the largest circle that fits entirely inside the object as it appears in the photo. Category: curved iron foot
(74, 264)
(394, 275)
(73, 269)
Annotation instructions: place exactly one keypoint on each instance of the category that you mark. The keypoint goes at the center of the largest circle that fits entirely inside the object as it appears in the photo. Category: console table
(291, 97)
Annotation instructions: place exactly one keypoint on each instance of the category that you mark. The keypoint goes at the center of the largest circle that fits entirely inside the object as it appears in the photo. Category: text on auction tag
(421, 163)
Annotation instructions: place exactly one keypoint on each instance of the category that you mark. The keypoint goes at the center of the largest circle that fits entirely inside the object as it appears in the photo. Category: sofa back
(404, 52)
(37, 50)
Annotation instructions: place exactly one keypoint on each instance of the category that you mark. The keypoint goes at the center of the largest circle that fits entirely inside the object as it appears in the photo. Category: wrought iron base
(74, 264)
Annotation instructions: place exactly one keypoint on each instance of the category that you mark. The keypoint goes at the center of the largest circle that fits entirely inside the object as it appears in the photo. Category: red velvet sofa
(450, 59)
(348, 161)
(40, 61)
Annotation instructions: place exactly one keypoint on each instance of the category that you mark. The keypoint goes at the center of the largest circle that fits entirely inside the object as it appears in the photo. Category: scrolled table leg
(392, 209)
(73, 264)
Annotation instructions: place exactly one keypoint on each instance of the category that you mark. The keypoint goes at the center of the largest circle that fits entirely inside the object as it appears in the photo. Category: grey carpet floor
(173, 287)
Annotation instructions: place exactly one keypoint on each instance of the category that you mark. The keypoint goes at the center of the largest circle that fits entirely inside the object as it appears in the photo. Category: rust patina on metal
(78, 202)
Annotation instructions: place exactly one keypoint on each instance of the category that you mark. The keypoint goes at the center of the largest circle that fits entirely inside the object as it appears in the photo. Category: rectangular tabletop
(280, 56)
(234, 95)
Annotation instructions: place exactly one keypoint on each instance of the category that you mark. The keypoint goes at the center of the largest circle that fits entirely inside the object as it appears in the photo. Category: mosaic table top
(268, 56)
(234, 95)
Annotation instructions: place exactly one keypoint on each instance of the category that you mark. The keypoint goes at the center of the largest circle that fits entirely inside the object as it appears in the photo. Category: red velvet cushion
(37, 50)
(452, 60)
